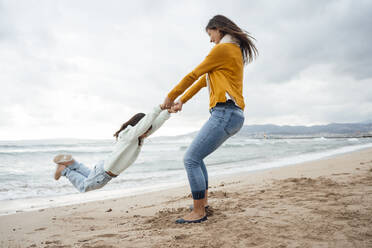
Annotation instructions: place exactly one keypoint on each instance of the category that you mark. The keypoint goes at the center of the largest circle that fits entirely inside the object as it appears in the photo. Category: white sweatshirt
(127, 149)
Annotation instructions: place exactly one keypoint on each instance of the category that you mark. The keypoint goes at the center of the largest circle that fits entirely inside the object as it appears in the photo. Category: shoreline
(35, 204)
(322, 203)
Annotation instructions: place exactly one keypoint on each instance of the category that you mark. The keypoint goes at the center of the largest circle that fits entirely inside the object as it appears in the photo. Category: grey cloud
(125, 56)
(295, 35)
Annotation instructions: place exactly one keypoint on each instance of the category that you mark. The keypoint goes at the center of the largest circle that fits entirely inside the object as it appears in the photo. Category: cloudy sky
(78, 69)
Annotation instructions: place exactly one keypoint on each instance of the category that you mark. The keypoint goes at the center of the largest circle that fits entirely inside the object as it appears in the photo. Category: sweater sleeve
(159, 121)
(194, 89)
(143, 125)
(214, 59)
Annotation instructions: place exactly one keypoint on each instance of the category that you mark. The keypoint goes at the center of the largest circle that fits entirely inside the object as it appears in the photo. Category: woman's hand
(177, 106)
(171, 111)
(167, 104)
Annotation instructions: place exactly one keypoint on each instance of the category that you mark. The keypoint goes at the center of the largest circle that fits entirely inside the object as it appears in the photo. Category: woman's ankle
(206, 198)
(199, 215)
(199, 207)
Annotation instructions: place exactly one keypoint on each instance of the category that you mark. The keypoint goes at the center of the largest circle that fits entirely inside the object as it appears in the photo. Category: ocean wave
(227, 145)
(251, 158)
(183, 148)
(53, 152)
(27, 172)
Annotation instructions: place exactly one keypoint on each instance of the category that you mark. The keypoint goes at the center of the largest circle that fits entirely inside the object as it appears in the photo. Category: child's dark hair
(132, 121)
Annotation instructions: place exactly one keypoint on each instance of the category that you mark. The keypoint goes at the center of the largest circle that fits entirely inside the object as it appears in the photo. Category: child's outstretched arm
(144, 124)
(159, 121)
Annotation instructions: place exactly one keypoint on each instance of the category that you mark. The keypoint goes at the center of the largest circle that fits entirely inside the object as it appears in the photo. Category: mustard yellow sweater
(224, 67)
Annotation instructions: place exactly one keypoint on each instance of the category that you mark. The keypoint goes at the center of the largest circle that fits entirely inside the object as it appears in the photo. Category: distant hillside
(333, 129)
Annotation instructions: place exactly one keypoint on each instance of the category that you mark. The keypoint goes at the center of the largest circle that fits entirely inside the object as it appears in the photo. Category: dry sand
(324, 203)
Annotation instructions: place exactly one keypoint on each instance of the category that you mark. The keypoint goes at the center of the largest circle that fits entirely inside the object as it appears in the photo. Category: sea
(26, 167)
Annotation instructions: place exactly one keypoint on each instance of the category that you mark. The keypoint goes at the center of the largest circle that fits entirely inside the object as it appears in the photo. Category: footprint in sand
(87, 218)
(181, 236)
(83, 240)
(52, 242)
(340, 174)
(219, 194)
(107, 235)
(40, 229)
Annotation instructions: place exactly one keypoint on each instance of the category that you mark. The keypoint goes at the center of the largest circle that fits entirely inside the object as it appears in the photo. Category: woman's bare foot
(58, 173)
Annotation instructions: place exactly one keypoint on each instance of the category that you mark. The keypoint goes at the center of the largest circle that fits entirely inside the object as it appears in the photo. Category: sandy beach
(323, 203)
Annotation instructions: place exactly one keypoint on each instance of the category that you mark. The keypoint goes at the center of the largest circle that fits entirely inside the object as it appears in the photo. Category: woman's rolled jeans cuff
(198, 195)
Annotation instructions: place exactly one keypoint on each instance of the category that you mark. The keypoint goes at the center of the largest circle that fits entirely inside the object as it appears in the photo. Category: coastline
(323, 203)
(232, 169)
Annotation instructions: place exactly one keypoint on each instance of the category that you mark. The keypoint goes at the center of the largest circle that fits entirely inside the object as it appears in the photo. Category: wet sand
(324, 203)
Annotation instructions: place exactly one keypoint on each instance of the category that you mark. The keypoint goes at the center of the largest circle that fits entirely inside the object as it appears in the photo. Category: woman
(222, 72)
(129, 143)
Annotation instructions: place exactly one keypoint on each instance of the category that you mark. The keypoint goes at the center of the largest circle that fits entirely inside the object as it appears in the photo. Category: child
(129, 143)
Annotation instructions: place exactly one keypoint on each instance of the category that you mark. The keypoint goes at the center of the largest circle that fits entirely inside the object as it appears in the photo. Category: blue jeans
(226, 120)
(85, 179)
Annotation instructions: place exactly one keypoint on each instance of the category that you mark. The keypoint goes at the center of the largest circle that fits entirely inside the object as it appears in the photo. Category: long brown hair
(226, 26)
(132, 121)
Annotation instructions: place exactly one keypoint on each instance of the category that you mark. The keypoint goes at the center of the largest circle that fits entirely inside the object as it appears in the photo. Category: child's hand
(167, 104)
